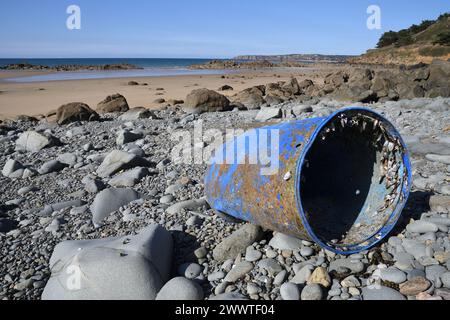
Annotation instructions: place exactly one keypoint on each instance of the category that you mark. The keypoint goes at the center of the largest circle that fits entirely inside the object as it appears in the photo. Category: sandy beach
(37, 98)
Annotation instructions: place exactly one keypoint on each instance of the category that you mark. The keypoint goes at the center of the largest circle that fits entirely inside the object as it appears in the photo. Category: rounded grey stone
(290, 291)
(180, 289)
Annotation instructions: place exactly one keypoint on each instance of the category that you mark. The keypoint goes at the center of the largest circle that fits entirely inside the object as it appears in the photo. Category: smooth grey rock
(119, 160)
(126, 136)
(51, 166)
(25, 190)
(124, 268)
(306, 251)
(50, 208)
(280, 277)
(11, 166)
(190, 270)
(129, 178)
(69, 159)
(190, 205)
(167, 199)
(290, 291)
(378, 292)
(445, 278)
(301, 109)
(33, 141)
(215, 276)
(180, 289)
(303, 274)
(266, 114)
(354, 266)
(393, 274)
(421, 227)
(110, 200)
(414, 247)
(312, 292)
(237, 242)
(285, 242)
(194, 221)
(252, 255)
(136, 114)
(270, 265)
(238, 271)
(94, 185)
(434, 273)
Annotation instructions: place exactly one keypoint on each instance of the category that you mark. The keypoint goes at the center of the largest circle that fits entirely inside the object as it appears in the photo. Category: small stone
(280, 277)
(320, 276)
(445, 278)
(284, 242)
(180, 289)
(110, 200)
(190, 270)
(306, 251)
(414, 286)
(237, 242)
(421, 227)
(270, 265)
(393, 274)
(201, 253)
(216, 276)
(252, 254)
(350, 281)
(238, 271)
(303, 275)
(125, 136)
(377, 292)
(312, 292)
(253, 289)
(290, 291)
(167, 199)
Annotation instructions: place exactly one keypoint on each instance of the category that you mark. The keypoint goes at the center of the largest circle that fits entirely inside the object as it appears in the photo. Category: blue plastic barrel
(341, 181)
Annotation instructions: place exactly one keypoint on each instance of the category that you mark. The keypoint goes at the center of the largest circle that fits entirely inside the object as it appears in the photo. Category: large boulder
(117, 161)
(33, 141)
(124, 268)
(113, 103)
(251, 98)
(75, 111)
(204, 100)
(110, 200)
(291, 87)
(438, 84)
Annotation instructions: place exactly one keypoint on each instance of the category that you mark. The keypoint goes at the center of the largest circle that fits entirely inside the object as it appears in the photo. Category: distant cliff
(300, 58)
(417, 44)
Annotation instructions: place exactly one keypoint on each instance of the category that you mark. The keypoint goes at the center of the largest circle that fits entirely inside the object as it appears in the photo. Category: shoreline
(37, 98)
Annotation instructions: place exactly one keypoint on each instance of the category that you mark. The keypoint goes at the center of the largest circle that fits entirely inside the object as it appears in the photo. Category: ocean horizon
(138, 62)
(150, 67)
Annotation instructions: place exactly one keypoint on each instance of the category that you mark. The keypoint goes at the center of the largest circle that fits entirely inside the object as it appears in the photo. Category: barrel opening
(351, 178)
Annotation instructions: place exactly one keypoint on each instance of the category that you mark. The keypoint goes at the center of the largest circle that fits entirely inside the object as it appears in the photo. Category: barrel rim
(394, 217)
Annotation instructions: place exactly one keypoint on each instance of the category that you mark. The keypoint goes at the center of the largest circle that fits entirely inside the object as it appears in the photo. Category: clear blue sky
(201, 28)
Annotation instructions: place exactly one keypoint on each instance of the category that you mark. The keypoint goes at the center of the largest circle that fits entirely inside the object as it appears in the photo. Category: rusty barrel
(341, 181)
